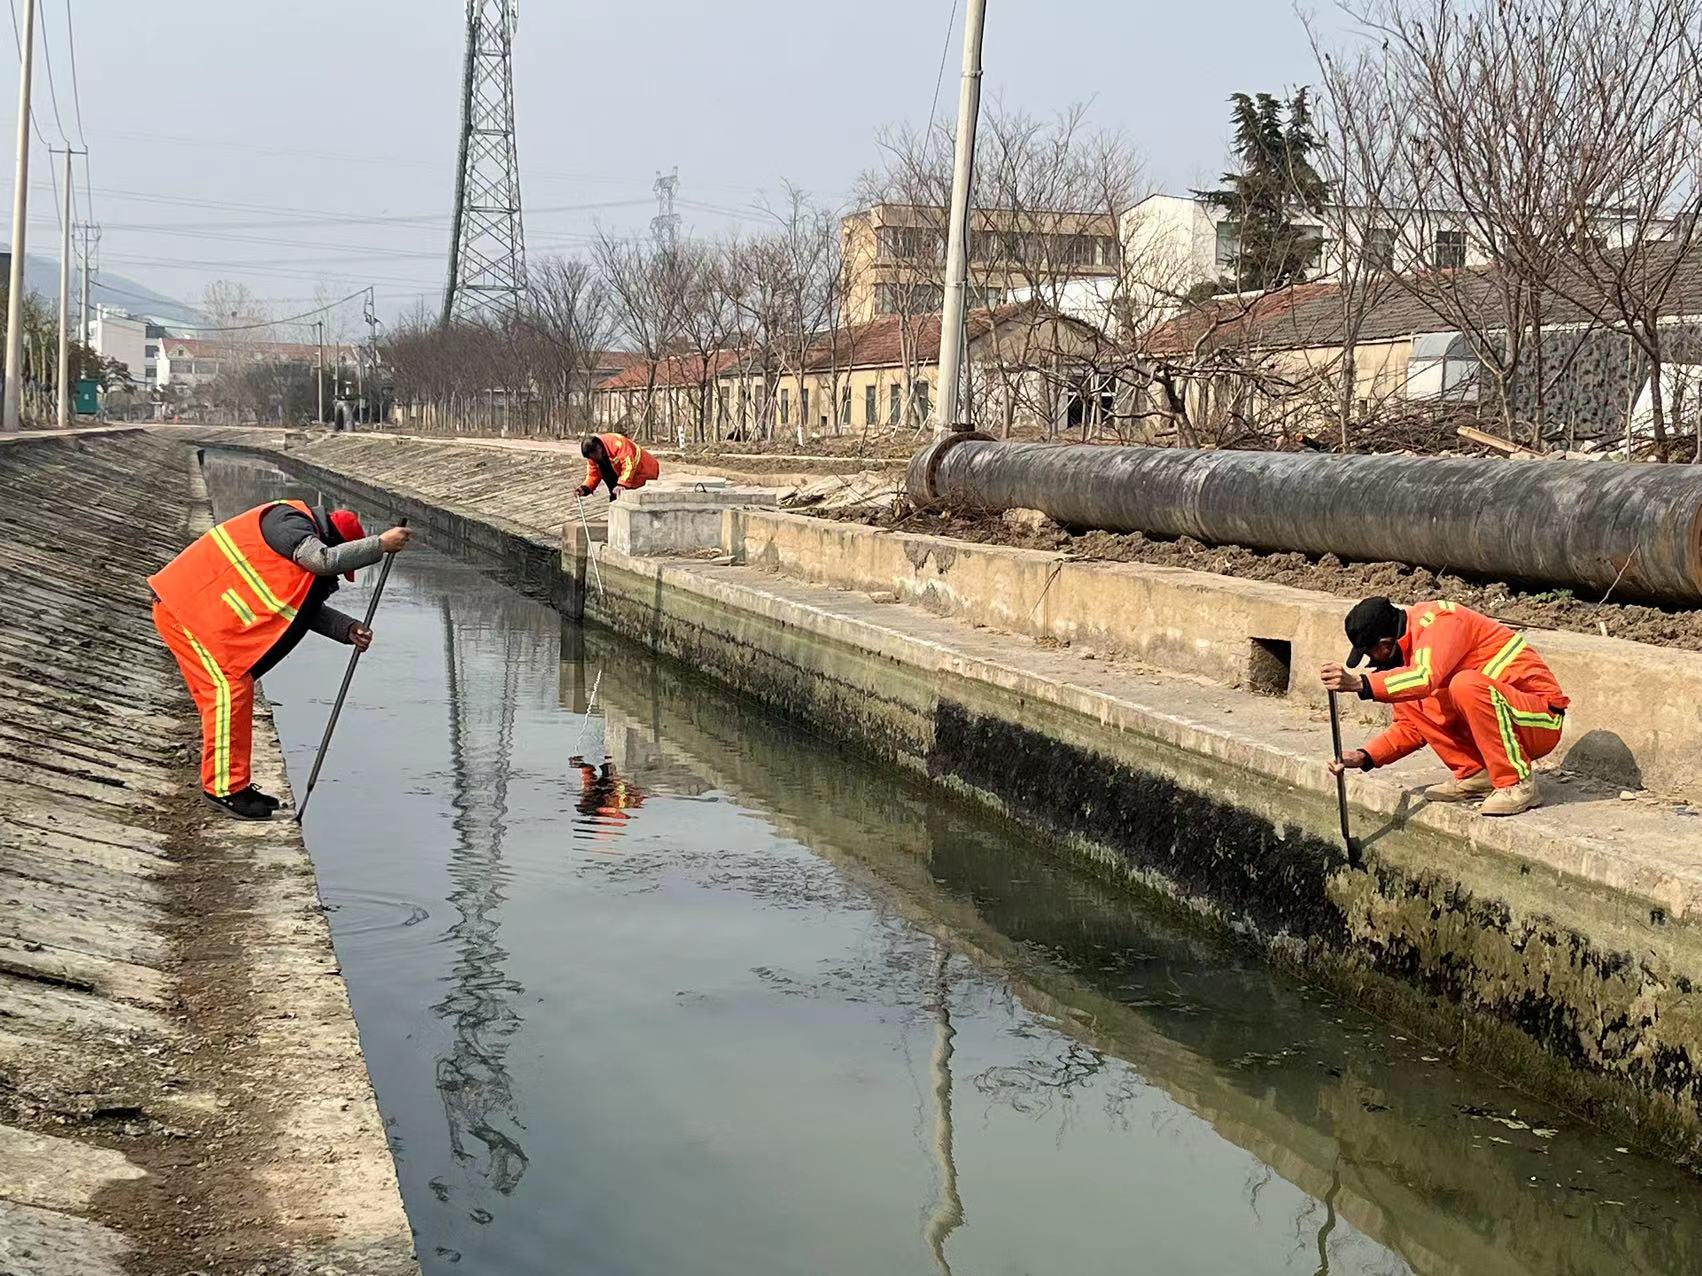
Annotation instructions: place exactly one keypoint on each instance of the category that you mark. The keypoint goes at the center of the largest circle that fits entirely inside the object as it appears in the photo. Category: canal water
(650, 982)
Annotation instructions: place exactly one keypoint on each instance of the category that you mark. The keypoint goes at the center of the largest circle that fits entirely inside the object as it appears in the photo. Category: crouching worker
(1469, 687)
(236, 602)
(617, 462)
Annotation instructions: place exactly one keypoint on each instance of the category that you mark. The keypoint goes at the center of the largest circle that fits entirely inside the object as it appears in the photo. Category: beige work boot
(1458, 790)
(1512, 799)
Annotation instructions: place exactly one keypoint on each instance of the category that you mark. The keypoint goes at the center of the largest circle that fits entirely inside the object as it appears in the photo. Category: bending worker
(1469, 687)
(617, 462)
(236, 602)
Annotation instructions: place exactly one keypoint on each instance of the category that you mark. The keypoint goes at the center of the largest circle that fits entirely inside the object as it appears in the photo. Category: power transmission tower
(665, 226)
(487, 245)
(88, 238)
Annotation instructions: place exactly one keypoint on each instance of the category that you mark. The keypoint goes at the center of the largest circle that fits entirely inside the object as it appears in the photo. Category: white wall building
(115, 334)
(1172, 243)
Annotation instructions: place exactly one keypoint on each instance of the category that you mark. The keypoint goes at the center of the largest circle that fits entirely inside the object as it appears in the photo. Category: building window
(804, 406)
(912, 299)
(894, 404)
(721, 404)
(922, 400)
(744, 402)
(785, 406)
(1312, 238)
(1449, 252)
(1228, 244)
(845, 406)
(1380, 248)
(868, 405)
(151, 352)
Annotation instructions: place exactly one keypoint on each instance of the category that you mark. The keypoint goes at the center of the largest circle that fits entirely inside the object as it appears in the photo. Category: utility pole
(957, 236)
(64, 374)
(9, 414)
(319, 335)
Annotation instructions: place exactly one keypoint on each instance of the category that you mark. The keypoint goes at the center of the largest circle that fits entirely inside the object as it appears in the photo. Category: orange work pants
(1494, 726)
(226, 702)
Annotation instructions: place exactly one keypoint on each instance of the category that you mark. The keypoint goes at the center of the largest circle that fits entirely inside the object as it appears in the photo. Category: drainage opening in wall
(1269, 663)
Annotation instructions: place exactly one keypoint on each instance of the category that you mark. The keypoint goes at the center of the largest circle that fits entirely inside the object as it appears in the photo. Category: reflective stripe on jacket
(233, 592)
(1443, 640)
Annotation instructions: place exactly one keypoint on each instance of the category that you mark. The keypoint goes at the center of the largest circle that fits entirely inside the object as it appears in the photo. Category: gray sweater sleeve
(332, 623)
(333, 560)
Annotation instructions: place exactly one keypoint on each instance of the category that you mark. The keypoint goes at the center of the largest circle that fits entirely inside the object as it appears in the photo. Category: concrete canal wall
(181, 1083)
(1560, 948)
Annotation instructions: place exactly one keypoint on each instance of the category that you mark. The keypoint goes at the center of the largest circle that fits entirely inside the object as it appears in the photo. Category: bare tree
(568, 317)
(647, 293)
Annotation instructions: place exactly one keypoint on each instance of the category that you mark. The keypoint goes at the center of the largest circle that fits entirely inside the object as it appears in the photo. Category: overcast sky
(247, 139)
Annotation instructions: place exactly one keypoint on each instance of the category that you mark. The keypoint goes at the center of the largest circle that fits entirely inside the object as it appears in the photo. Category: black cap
(1371, 621)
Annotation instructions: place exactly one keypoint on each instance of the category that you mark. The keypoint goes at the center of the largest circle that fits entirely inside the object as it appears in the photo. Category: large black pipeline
(1593, 526)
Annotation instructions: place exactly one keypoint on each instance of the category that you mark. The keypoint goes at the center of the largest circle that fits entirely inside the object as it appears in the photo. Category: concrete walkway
(181, 1085)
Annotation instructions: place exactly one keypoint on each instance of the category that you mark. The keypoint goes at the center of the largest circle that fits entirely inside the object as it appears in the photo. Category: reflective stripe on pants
(1508, 729)
(226, 704)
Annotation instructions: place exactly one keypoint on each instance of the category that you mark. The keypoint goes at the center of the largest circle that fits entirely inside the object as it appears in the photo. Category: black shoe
(267, 798)
(246, 805)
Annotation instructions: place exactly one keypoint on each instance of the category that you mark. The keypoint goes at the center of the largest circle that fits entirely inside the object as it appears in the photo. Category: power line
(273, 323)
(76, 89)
(18, 43)
(52, 91)
(939, 79)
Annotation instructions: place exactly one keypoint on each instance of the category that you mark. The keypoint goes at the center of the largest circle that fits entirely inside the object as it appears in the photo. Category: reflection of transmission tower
(665, 226)
(472, 1077)
(487, 245)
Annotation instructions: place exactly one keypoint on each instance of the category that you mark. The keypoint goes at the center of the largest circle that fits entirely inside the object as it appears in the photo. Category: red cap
(348, 526)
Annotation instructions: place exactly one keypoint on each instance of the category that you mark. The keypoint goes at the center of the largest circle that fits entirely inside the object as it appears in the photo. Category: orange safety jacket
(633, 465)
(233, 592)
(1442, 640)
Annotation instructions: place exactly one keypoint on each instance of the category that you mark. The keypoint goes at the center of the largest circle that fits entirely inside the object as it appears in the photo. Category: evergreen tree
(1275, 182)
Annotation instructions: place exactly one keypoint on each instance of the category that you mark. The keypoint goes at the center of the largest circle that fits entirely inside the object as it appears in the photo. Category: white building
(191, 362)
(125, 338)
(1173, 243)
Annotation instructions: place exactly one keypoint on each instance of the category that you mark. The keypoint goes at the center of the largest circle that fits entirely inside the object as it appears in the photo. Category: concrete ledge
(1237, 633)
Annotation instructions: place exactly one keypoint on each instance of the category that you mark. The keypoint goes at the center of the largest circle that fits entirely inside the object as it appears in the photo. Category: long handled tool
(1355, 856)
(342, 693)
(591, 548)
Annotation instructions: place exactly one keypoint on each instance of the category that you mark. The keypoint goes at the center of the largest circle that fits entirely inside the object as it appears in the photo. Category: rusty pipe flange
(924, 468)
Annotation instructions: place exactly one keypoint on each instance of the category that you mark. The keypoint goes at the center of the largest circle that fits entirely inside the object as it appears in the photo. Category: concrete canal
(649, 981)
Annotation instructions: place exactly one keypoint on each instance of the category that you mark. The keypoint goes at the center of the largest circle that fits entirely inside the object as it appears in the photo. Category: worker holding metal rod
(1469, 687)
(617, 462)
(237, 601)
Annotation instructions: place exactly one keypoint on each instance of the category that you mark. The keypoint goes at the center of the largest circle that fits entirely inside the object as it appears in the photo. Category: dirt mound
(1524, 608)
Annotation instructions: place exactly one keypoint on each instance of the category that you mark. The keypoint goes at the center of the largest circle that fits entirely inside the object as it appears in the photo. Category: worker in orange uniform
(237, 601)
(617, 462)
(1468, 686)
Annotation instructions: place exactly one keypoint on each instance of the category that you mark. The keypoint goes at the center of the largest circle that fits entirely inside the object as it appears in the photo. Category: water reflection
(947, 1216)
(481, 1004)
(817, 1018)
(1454, 1174)
(606, 799)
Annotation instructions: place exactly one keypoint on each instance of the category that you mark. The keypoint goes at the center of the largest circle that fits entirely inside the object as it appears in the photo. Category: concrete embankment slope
(1560, 949)
(181, 1084)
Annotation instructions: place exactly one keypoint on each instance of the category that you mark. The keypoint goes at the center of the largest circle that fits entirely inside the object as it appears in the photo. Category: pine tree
(1276, 181)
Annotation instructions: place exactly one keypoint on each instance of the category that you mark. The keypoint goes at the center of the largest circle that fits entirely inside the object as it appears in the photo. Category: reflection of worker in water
(605, 794)
(617, 462)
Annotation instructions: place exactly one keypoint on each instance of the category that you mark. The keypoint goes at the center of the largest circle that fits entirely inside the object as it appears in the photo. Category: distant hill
(41, 275)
